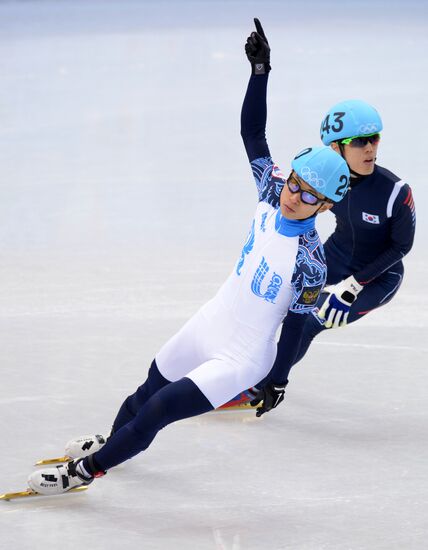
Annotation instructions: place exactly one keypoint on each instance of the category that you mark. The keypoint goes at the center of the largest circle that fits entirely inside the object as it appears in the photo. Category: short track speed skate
(77, 448)
(30, 493)
(241, 402)
(60, 479)
(53, 481)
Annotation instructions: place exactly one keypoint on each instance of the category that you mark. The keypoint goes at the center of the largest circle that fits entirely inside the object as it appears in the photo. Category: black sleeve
(253, 118)
(288, 346)
(402, 235)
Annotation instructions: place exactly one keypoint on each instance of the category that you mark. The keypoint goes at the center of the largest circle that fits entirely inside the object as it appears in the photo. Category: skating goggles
(305, 196)
(361, 141)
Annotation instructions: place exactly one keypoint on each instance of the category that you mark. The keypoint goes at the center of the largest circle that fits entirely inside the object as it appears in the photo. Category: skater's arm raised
(254, 109)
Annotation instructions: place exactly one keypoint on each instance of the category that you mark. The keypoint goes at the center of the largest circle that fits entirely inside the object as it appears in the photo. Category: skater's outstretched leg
(88, 444)
(133, 403)
(175, 401)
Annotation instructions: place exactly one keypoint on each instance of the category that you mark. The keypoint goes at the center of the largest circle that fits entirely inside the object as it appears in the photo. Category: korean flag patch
(370, 218)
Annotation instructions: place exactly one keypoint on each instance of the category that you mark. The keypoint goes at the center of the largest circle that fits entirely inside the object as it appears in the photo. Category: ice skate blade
(31, 493)
(58, 460)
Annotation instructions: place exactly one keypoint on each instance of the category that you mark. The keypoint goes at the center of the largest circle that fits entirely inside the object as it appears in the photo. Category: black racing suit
(375, 227)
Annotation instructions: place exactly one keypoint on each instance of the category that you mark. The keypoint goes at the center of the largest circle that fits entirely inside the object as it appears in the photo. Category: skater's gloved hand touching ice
(335, 309)
(258, 50)
(271, 395)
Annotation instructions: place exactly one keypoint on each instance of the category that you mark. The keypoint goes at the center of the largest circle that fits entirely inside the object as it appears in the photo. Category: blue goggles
(305, 196)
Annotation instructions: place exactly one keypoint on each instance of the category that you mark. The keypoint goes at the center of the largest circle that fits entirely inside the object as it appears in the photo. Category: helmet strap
(342, 154)
(311, 216)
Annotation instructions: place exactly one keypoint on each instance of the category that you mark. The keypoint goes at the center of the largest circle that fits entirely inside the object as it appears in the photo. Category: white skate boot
(85, 445)
(54, 481)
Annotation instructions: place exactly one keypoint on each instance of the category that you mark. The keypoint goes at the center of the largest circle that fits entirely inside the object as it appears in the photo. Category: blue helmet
(324, 170)
(348, 119)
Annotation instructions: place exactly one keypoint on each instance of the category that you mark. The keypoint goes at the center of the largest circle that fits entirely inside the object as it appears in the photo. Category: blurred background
(125, 198)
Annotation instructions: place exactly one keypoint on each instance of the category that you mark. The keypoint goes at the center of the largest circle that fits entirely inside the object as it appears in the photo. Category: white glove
(336, 307)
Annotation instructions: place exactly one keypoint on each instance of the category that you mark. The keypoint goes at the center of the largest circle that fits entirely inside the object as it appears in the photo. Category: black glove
(271, 395)
(258, 50)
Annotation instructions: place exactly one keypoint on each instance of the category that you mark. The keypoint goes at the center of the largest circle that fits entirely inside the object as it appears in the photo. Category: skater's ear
(335, 146)
(325, 206)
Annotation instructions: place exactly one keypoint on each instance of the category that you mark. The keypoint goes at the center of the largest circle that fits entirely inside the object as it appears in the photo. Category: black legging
(153, 406)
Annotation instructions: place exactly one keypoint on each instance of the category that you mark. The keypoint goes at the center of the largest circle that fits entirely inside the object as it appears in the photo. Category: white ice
(125, 197)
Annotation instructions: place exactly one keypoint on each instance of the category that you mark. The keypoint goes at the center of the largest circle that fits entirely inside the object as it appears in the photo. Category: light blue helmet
(324, 170)
(348, 119)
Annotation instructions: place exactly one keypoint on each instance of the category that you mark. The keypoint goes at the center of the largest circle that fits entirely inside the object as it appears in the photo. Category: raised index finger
(259, 28)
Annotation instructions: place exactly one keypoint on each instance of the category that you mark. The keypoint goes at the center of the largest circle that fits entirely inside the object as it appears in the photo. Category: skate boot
(240, 401)
(85, 445)
(54, 481)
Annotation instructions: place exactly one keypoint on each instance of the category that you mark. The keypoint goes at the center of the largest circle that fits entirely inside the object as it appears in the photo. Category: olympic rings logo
(311, 177)
(369, 128)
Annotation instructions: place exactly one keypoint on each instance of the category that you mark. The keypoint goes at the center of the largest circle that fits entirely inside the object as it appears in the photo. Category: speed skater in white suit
(229, 344)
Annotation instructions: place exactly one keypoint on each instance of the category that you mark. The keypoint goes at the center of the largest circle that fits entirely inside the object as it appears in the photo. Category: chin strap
(311, 216)
(342, 154)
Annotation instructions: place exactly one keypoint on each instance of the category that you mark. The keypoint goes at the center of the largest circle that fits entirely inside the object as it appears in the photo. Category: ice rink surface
(125, 198)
